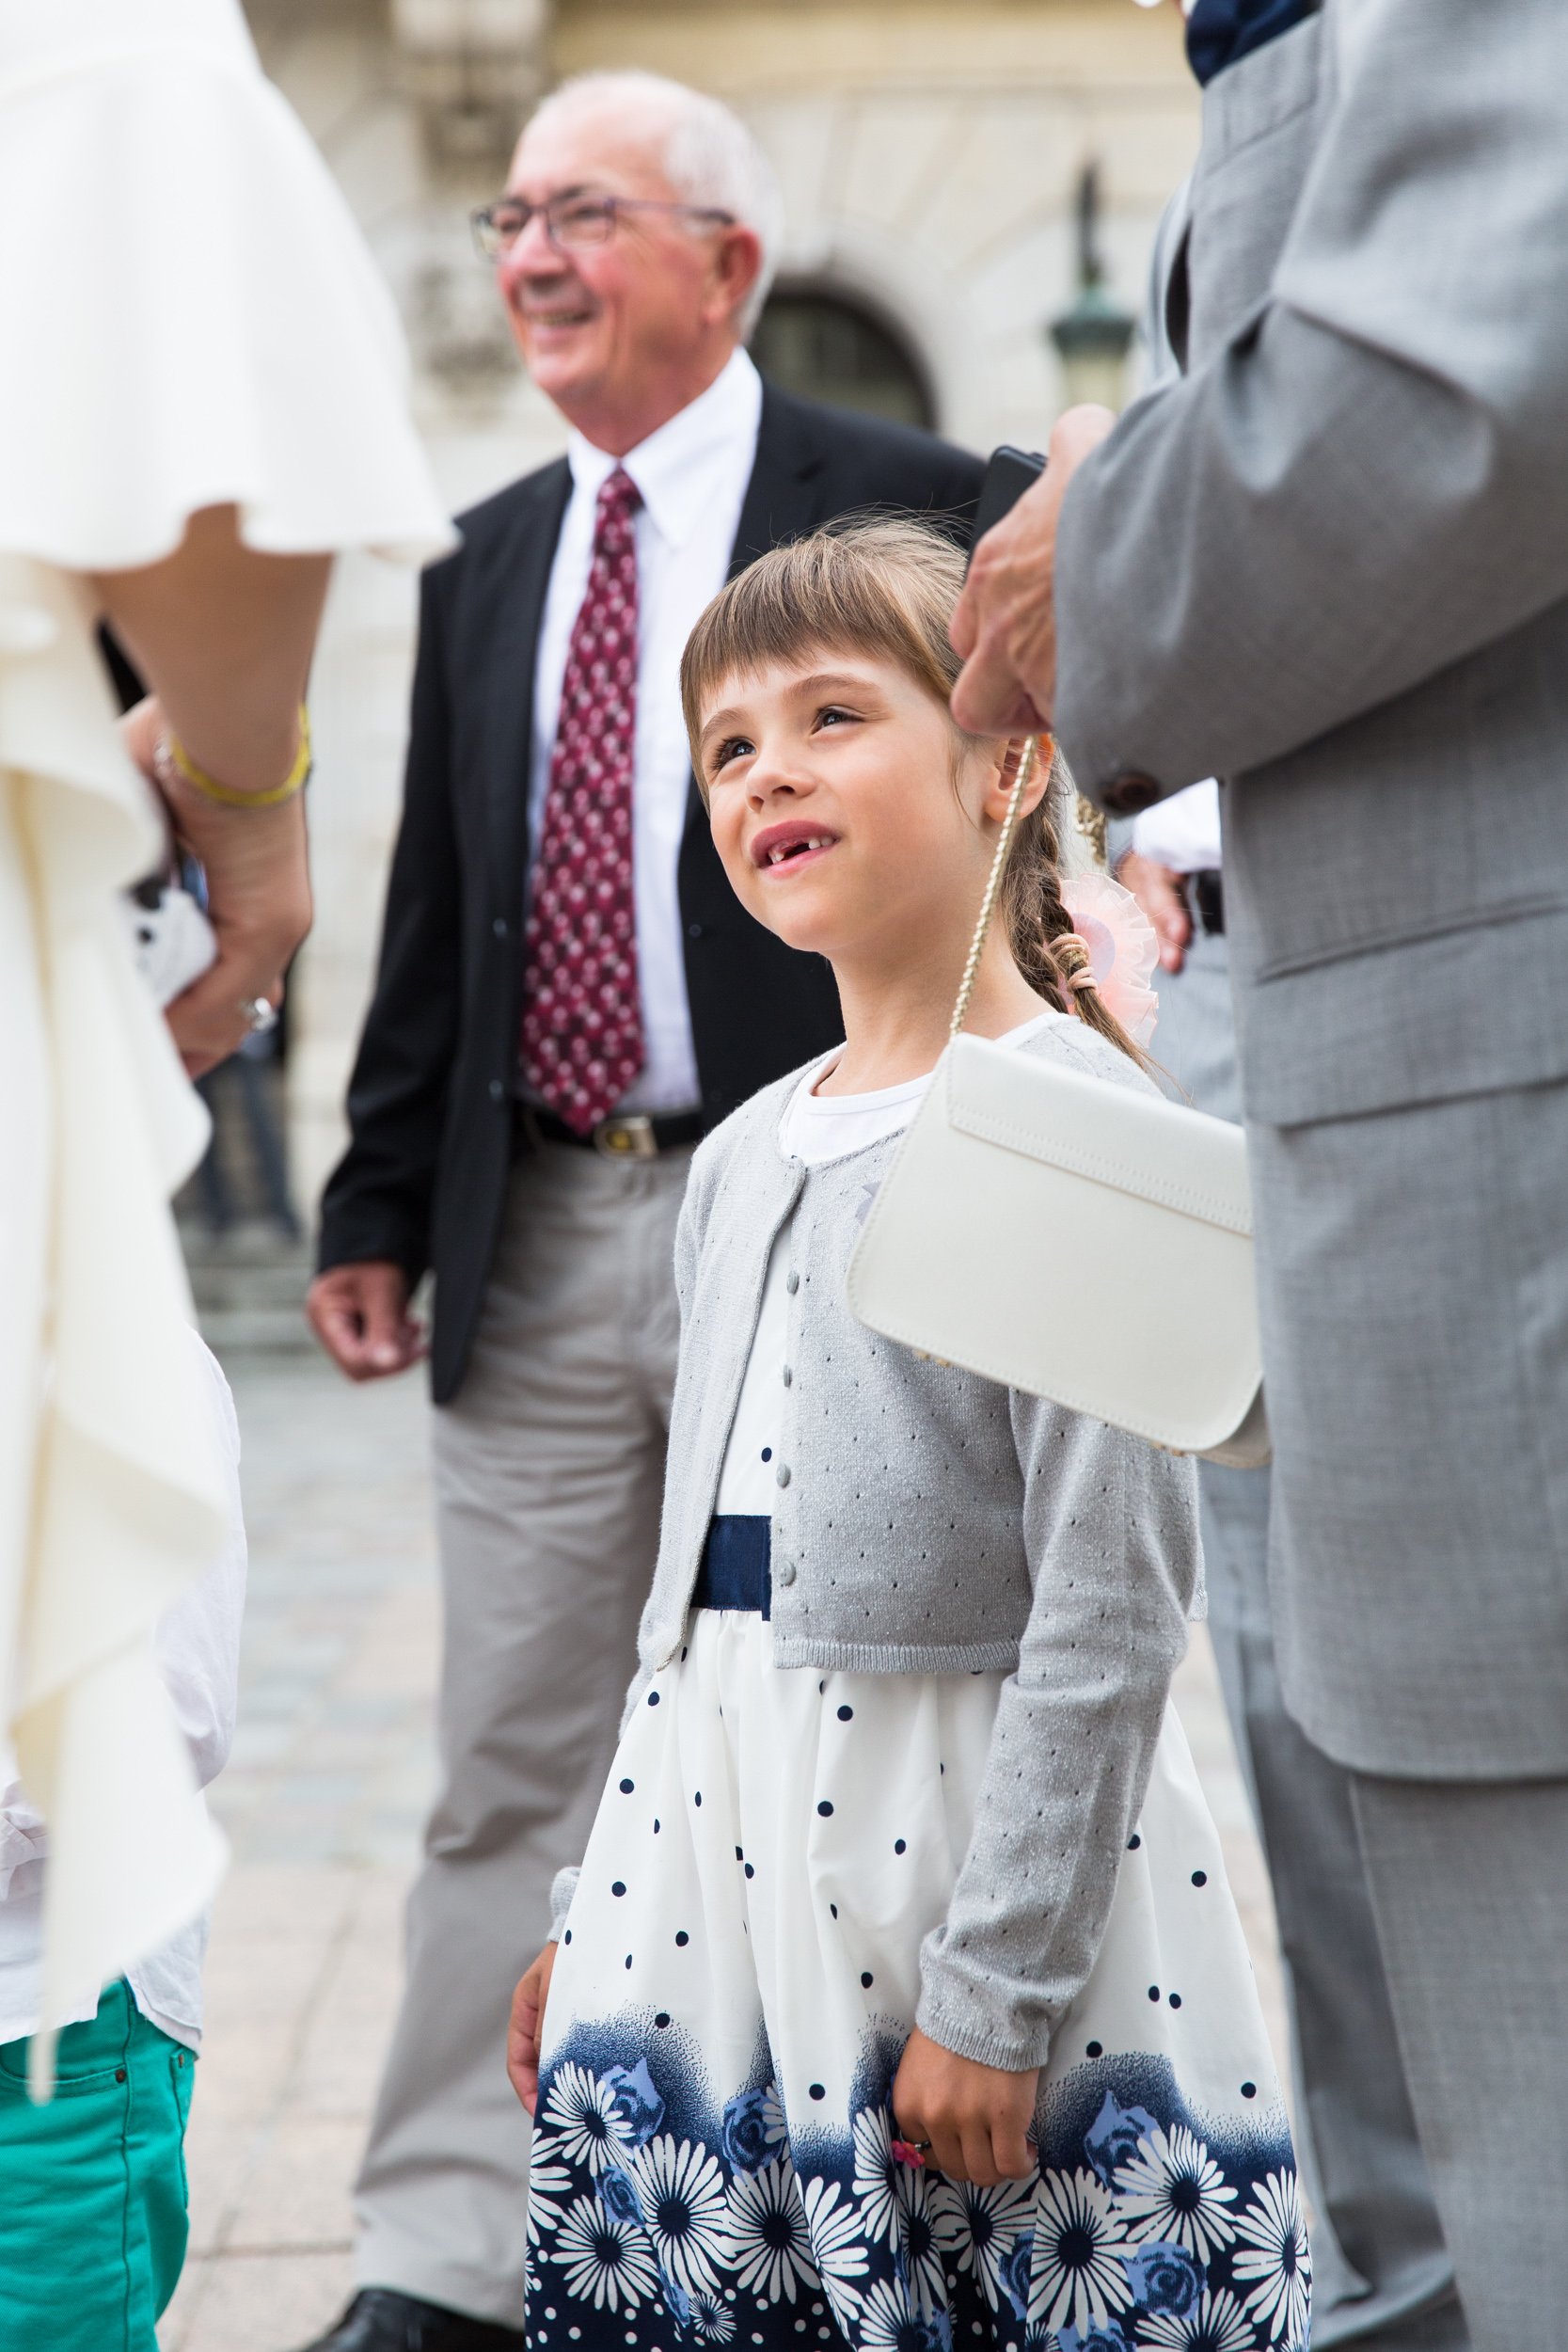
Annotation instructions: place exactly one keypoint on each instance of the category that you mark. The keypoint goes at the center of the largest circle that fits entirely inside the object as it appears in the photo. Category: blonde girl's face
(830, 789)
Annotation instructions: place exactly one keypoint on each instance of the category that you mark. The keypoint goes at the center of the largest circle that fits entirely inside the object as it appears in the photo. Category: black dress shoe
(380, 2320)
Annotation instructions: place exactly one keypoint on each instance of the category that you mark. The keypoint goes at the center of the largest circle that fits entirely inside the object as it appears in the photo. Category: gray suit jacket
(1331, 566)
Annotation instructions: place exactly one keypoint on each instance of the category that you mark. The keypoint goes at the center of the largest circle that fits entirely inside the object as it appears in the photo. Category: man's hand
(360, 1315)
(526, 2031)
(975, 2117)
(1159, 890)
(1005, 624)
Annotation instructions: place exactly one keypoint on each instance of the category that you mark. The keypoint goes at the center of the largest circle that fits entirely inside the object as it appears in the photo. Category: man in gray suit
(1382, 2280)
(1331, 566)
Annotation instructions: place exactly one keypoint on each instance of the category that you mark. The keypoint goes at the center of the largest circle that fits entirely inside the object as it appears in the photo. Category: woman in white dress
(201, 401)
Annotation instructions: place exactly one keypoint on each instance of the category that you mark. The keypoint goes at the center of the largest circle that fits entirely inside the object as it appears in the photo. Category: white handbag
(1075, 1239)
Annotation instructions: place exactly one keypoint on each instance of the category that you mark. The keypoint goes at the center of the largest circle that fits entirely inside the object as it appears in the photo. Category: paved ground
(323, 1803)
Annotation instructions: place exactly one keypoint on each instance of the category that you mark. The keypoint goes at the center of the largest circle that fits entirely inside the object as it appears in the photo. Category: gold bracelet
(209, 788)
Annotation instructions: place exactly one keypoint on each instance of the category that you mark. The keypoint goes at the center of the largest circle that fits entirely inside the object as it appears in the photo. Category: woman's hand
(525, 2032)
(975, 2120)
(258, 898)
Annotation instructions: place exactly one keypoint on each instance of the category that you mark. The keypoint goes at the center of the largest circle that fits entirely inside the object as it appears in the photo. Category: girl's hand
(527, 2029)
(975, 2117)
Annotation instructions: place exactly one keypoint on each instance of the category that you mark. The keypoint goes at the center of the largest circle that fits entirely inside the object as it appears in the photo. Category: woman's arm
(224, 636)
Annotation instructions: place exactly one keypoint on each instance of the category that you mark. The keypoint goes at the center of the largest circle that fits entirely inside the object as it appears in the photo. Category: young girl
(900, 1998)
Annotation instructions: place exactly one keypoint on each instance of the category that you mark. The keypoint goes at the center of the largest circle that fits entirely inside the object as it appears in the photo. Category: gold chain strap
(998, 866)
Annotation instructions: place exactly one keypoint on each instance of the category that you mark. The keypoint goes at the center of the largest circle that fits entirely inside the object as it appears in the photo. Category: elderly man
(1331, 565)
(568, 997)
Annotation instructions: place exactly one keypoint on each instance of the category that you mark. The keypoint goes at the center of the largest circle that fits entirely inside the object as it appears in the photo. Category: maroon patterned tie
(582, 1041)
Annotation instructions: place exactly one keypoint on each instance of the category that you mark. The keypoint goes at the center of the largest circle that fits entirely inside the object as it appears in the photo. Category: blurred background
(971, 192)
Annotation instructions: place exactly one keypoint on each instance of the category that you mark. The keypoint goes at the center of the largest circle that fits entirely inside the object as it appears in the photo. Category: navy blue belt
(735, 1573)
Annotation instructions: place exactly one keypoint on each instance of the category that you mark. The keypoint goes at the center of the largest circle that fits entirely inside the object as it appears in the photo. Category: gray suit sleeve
(1367, 483)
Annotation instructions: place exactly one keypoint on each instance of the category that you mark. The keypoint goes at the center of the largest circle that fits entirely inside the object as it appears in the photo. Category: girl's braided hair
(886, 585)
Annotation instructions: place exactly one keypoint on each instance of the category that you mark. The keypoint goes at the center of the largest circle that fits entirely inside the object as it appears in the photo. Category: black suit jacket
(424, 1179)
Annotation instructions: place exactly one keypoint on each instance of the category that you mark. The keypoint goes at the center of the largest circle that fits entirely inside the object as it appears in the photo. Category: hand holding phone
(1009, 473)
(1004, 626)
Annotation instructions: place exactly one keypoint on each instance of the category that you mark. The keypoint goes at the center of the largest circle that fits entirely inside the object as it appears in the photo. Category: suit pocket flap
(1134, 1142)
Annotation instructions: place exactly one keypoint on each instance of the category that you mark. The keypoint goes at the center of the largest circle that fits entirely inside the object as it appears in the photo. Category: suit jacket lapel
(783, 497)
(517, 592)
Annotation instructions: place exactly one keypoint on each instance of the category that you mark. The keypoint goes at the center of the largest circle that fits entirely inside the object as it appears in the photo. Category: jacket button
(695, 931)
(793, 1284)
(781, 1473)
(1130, 793)
(788, 1377)
(498, 927)
(497, 1091)
(784, 1573)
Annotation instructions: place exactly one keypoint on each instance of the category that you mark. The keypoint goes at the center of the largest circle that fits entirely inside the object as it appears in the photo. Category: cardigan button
(781, 1473)
(793, 1284)
(788, 1377)
(784, 1573)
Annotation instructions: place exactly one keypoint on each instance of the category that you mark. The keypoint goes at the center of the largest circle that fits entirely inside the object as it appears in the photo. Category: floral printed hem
(657, 2218)
(712, 2156)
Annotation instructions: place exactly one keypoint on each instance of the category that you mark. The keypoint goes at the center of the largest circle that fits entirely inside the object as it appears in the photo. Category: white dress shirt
(1183, 831)
(692, 475)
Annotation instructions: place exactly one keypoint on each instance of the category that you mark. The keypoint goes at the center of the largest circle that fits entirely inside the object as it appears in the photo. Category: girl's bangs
(884, 588)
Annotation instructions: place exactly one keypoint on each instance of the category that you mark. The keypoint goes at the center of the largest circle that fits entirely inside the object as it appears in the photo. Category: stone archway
(830, 345)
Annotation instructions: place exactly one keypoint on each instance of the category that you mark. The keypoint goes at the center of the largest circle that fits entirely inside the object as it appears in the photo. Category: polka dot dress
(713, 2162)
(582, 1041)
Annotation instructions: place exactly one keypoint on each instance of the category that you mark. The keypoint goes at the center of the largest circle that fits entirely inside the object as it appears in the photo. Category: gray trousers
(1383, 2276)
(549, 1474)
(1470, 1884)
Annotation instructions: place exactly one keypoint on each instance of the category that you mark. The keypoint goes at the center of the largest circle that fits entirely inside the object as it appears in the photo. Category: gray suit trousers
(1383, 2276)
(549, 1474)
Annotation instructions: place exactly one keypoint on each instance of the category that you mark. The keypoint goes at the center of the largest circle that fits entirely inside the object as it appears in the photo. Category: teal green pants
(92, 2186)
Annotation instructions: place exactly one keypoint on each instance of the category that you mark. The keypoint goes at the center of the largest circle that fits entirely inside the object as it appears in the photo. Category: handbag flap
(1137, 1143)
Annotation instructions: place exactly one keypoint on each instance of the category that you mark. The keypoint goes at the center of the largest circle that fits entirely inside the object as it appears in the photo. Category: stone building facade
(929, 155)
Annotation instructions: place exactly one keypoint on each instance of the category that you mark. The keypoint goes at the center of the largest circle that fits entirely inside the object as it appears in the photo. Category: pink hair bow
(1122, 948)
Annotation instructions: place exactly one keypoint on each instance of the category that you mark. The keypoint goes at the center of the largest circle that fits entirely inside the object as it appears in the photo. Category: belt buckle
(628, 1137)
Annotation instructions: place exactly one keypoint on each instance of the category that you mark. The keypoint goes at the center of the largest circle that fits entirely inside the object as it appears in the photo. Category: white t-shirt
(814, 1128)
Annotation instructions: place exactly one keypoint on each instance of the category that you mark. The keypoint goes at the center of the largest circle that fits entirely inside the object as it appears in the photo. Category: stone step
(249, 1286)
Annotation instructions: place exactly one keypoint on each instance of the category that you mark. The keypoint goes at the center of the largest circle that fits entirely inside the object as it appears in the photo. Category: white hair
(710, 158)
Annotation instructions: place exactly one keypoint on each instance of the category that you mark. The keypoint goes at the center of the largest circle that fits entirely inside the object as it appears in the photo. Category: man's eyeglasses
(573, 220)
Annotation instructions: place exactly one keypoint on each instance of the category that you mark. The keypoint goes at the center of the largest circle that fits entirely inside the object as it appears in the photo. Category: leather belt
(1207, 892)
(628, 1135)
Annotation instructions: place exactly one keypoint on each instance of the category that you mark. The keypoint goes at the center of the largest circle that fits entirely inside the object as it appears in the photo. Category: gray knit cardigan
(929, 1521)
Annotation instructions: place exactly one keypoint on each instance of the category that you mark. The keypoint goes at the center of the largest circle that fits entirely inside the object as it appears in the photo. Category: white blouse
(188, 317)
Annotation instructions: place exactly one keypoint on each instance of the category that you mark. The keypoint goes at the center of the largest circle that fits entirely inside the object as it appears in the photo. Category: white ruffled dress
(188, 318)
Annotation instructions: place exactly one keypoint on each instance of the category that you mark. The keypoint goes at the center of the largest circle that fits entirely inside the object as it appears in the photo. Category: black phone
(1009, 473)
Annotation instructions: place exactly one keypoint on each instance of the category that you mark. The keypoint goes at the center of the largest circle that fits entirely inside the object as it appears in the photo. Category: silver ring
(260, 1015)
